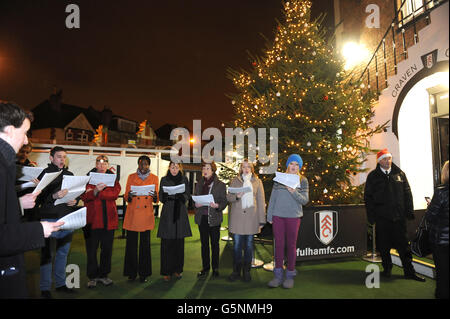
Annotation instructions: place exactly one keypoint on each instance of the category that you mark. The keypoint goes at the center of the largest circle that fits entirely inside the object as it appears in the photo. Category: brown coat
(246, 222)
(139, 216)
(218, 190)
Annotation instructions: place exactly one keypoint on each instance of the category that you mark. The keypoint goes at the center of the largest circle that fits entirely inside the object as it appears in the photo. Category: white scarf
(247, 198)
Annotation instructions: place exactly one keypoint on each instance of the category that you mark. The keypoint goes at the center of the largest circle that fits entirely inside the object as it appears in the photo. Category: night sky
(164, 61)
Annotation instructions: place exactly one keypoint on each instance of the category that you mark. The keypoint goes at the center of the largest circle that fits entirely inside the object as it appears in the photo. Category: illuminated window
(412, 6)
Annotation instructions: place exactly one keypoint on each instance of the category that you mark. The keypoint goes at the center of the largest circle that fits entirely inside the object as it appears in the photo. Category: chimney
(55, 100)
(106, 116)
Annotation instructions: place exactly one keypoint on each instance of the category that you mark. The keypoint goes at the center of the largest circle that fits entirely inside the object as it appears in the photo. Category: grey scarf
(142, 176)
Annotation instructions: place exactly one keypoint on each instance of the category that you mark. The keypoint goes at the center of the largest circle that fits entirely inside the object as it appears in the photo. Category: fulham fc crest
(429, 59)
(326, 225)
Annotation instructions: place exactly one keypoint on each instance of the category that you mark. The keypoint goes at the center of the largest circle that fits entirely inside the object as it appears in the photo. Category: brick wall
(354, 27)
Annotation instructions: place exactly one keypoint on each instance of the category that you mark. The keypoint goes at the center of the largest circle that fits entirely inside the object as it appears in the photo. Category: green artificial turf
(325, 279)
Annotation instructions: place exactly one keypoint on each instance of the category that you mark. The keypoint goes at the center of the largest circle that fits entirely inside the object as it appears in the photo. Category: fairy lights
(300, 86)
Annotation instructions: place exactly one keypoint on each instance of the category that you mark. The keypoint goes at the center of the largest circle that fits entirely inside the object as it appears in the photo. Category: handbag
(420, 245)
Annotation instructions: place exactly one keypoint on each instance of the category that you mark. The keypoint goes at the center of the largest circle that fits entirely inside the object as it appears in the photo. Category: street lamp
(354, 54)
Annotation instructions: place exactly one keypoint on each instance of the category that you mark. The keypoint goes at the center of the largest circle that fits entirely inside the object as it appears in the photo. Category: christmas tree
(300, 87)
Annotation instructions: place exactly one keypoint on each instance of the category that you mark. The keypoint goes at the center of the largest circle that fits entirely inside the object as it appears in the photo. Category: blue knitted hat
(295, 158)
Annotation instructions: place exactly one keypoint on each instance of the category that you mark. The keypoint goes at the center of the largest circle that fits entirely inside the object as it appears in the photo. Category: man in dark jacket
(389, 204)
(15, 237)
(50, 212)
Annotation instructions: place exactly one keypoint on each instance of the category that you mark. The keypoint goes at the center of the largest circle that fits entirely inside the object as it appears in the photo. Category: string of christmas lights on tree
(300, 87)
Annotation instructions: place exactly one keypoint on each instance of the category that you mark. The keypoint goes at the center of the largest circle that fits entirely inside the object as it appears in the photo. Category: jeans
(285, 232)
(62, 240)
(244, 242)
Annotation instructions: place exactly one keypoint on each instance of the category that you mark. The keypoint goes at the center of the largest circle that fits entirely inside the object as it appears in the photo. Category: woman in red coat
(139, 221)
(101, 221)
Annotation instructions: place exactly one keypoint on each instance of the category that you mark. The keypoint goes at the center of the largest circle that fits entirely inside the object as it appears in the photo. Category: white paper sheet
(25, 185)
(71, 195)
(27, 173)
(203, 200)
(237, 190)
(46, 179)
(107, 179)
(75, 182)
(142, 190)
(76, 185)
(74, 220)
(290, 180)
(172, 190)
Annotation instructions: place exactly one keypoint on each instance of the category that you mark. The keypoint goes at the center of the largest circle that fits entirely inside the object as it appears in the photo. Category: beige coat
(246, 222)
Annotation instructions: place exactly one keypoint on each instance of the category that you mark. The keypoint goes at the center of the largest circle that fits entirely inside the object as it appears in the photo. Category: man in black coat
(389, 204)
(48, 211)
(15, 237)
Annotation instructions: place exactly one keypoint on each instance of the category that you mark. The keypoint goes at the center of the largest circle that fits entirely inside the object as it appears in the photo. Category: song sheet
(46, 179)
(74, 220)
(203, 200)
(142, 190)
(76, 185)
(27, 173)
(172, 190)
(290, 180)
(237, 190)
(107, 179)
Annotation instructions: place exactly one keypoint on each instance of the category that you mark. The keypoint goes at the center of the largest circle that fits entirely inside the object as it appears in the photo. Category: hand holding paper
(172, 190)
(289, 180)
(46, 179)
(73, 186)
(74, 220)
(29, 200)
(145, 190)
(49, 227)
(97, 178)
(203, 200)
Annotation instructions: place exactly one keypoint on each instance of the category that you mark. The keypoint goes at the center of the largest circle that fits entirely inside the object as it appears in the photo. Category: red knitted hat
(382, 154)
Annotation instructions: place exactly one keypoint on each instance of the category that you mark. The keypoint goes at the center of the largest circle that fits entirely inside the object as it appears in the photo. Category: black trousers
(209, 234)
(95, 238)
(138, 265)
(172, 256)
(392, 234)
(440, 257)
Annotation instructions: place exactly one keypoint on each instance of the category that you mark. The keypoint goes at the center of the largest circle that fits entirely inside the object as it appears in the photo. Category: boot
(246, 272)
(236, 274)
(277, 278)
(289, 281)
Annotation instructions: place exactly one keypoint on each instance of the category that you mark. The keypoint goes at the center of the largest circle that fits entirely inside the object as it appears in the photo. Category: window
(84, 137)
(126, 126)
(69, 135)
(412, 6)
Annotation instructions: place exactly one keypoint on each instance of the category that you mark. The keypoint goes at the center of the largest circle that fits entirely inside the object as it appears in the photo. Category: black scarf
(177, 180)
